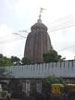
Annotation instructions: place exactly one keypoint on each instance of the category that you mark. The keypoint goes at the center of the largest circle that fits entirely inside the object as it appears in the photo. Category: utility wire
(9, 41)
(70, 47)
(27, 32)
(23, 31)
(19, 35)
(13, 40)
(65, 27)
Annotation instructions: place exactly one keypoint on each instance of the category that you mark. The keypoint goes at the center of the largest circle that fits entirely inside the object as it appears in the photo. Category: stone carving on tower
(38, 42)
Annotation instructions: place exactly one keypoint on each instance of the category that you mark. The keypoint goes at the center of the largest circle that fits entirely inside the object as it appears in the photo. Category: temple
(38, 42)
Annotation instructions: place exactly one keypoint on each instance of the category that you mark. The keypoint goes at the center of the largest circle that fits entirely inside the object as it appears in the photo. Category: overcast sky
(16, 15)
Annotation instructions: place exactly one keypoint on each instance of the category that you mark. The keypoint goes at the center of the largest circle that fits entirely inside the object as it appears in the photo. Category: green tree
(52, 56)
(53, 79)
(4, 61)
(15, 60)
(25, 61)
(47, 84)
(4, 73)
(1, 55)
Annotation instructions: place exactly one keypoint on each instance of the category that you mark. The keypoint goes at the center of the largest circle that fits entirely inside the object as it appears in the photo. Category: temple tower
(38, 42)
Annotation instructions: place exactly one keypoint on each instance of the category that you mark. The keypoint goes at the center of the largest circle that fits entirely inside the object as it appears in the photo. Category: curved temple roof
(38, 42)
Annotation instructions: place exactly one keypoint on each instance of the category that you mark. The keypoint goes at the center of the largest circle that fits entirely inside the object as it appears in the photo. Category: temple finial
(41, 10)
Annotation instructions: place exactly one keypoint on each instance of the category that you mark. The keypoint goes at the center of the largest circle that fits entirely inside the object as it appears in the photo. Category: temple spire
(41, 10)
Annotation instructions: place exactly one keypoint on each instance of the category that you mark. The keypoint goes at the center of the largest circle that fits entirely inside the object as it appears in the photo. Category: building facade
(27, 79)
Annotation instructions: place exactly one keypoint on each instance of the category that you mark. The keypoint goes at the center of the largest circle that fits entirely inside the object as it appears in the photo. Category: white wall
(64, 69)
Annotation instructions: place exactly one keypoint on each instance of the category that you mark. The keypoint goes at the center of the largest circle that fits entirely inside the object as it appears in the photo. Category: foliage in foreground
(4, 61)
(53, 79)
(47, 84)
(4, 73)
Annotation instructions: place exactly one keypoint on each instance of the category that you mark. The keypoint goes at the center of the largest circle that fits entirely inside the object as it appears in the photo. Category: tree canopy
(25, 61)
(4, 61)
(15, 60)
(52, 56)
(53, 79)
(4, 73)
